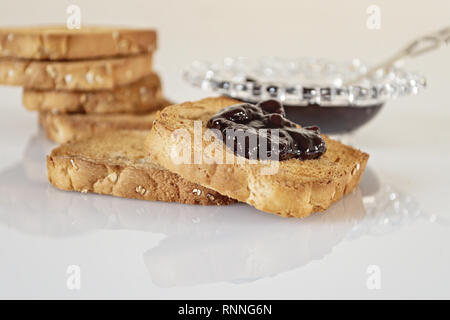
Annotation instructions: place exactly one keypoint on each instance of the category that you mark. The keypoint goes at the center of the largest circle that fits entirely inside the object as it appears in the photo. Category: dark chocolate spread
(292, 142)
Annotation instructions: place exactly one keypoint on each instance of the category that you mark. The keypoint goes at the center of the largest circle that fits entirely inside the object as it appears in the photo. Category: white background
(132, 249)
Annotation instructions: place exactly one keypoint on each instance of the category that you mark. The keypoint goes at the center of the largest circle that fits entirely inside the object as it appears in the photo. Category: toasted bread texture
(62, 43)
(142, 96)
(65, 127)
(117, 164)
(295, 188)
(98, 74)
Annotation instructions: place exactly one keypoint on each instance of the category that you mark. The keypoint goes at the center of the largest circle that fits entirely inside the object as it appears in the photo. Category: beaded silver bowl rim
(395, 82)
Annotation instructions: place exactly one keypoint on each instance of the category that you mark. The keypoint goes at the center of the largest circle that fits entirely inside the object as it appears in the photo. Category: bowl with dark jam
(314, 92)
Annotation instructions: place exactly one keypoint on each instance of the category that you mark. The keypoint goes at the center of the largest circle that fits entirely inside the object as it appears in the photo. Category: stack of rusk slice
(90, 83)
(83, 81)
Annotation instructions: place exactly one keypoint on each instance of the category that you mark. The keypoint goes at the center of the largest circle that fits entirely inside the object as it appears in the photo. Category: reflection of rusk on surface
(252, 251)
(173, 220)
(47, 213)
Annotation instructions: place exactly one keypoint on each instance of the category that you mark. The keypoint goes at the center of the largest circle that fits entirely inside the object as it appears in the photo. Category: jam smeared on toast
(292, 141)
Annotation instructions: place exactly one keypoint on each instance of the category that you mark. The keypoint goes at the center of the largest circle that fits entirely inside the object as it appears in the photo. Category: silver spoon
(415, 48)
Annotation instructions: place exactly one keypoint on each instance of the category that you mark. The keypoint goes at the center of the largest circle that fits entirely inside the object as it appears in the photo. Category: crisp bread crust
(139, 97)
(299, 187)
(98, 74)
(62, 128)
(61, 43)
(116, 164)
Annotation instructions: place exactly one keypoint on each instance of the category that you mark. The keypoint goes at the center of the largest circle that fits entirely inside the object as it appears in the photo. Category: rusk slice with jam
(296, 189)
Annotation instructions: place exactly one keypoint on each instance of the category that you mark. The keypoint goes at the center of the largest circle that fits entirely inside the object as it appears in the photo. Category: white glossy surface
(398, 219)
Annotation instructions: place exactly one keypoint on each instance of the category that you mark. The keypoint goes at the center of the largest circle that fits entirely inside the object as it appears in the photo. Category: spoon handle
(415, 48)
